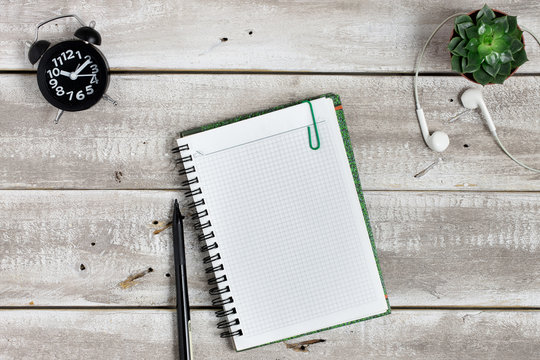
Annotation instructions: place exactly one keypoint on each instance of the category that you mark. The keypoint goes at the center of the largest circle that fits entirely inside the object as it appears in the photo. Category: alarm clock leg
(110, 99)
(58, 115)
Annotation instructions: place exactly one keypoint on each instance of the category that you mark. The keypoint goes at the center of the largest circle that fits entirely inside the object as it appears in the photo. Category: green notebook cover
(354, 170)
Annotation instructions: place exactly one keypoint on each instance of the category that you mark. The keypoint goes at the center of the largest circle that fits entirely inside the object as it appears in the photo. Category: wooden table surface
(80, 202)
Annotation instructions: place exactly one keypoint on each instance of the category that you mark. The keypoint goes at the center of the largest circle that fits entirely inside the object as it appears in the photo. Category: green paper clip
(315, 126)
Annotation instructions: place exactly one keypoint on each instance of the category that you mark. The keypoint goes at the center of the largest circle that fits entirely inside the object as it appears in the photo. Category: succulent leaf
(485, 13)
(456, 63)
(463, 19)
(484, 50)
(461, 28)
(506, 57)
(485, 30)
(487, 47)
(520, 58)
(500, 25)
(492, 58)
(474, 58)
(460, 48)
(472, 45)
(515, 46)
(471, 32)
(492, 70)
(499, 79)
(482, 77)
(512, 23)
(453, 43)
(472, 66)
(505, 69)
(499, 45)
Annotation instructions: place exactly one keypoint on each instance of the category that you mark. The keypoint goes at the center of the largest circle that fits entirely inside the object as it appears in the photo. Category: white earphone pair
(471, 99)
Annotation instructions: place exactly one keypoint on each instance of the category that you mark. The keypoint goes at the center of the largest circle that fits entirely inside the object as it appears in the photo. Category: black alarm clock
(72, 75)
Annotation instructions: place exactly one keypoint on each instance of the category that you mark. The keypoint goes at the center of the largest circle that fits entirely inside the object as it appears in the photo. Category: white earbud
(471, 99)
(438, 141)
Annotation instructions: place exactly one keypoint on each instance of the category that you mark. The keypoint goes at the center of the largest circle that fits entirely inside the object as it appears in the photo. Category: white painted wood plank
(128, 146)
(435, 248)
(151, 334)
(344, 36)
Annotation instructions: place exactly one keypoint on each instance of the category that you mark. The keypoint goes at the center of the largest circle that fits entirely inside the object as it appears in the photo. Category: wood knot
(118, 176)
(130, 280)
(303, 345)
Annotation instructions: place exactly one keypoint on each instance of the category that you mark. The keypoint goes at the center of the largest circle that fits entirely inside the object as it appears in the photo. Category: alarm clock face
(73, 75)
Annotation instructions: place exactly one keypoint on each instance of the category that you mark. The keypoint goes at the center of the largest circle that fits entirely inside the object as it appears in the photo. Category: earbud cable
(415, 82)
(511, 157)
(421, 56)
(495, 134)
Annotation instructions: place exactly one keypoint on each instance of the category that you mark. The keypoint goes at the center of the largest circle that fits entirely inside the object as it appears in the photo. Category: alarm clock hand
(74, 74)
(65, 73)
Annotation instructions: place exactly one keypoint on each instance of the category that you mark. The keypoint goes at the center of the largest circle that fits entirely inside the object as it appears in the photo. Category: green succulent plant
(488, 47)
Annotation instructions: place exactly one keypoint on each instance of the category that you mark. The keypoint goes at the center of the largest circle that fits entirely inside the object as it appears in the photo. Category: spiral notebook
(282, 217)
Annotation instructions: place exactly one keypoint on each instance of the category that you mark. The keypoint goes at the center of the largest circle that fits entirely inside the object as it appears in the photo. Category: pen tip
(177, 210)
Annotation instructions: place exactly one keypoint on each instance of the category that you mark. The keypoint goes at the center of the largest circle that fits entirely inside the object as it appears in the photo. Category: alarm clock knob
(88, 34)
(37, 50)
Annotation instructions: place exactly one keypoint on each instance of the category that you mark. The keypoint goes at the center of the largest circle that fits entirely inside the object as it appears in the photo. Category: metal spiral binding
(228, 334)
(200, 214)
(201, 226)
(221, 302)
(214, 269)
(218, 291)
(225, 324)
(219, 280)
(205, 237)
(222, 313)
(206, 248)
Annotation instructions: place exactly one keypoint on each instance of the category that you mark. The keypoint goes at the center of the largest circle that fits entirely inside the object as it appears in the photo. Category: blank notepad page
(287, 219)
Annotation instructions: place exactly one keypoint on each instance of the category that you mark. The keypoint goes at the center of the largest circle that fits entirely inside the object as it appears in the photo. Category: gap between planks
(180, 191)
(253, 72)
(214, 308)
(264, 72)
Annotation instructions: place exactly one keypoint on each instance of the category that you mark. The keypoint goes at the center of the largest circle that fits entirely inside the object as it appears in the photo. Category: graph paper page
(288, 222)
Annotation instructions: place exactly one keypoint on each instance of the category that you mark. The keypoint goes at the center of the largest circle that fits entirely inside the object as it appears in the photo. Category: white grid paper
(286, 229)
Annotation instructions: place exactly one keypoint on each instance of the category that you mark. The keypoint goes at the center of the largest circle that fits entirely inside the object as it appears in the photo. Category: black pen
(182, 300)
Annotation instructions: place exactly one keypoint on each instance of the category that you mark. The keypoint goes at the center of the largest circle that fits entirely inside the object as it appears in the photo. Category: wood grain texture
(435, 248)
(151, 334)
(99, 237)
(337, 36)
(128, 146)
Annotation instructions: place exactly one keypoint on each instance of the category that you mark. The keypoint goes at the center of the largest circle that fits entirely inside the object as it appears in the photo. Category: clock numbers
(67, 55)
(54, 73)
(80, 94)
(59, 91)
(73, 75)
